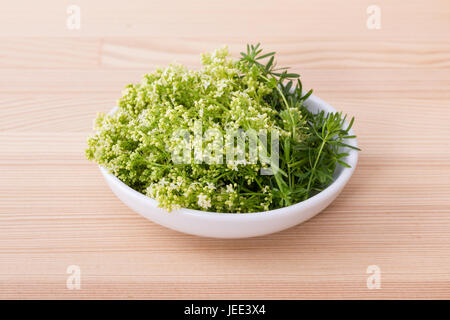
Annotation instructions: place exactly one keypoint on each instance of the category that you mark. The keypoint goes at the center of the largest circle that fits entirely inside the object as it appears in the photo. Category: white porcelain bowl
(232, 225)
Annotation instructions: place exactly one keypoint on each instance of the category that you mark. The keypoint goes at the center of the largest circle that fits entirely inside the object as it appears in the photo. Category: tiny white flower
(211, 186)
(203, 201)
(229, 203)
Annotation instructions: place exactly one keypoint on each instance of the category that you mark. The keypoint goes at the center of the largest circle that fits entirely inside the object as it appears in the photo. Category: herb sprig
(309, 162)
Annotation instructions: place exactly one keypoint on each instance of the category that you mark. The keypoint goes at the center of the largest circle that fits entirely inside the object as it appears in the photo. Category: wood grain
(56, 211)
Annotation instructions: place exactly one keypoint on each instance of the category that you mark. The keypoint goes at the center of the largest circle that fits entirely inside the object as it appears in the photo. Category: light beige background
(56, 211)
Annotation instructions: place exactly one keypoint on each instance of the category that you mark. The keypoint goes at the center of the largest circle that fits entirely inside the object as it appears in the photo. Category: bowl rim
(339, 182)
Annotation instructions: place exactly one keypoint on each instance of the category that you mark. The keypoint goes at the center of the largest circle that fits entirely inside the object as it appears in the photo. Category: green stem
(292, 135)
(324, 141)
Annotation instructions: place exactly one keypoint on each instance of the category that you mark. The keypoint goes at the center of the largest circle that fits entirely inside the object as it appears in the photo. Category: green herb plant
(308, 164)
(135, 143)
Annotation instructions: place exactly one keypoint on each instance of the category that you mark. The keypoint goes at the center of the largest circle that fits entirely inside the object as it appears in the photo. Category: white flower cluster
(136, 142)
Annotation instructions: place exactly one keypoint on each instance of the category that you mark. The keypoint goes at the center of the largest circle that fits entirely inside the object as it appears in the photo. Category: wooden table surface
(56, 210)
